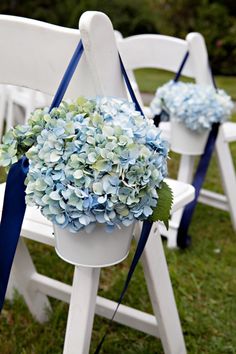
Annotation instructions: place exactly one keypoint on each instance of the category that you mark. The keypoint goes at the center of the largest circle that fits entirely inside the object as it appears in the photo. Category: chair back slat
(199, 57)
(154, 51)
(101, 51)
(35, 55)
(165, 52)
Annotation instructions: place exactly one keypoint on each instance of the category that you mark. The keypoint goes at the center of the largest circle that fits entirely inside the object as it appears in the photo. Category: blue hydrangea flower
(198, 107)
(95, 160)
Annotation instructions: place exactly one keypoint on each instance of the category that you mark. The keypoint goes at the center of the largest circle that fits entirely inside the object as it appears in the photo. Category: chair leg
(81, 310)
(185, 174)
(21, 274)
(186, 167)
(227, 173)
(161, 294)
(30, 106)
(172, 233)
(11, 287)
(9, 118)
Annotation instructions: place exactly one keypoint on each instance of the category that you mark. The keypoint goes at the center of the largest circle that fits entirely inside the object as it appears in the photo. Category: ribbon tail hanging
(12, 217)
(183, 238)
(14, 200)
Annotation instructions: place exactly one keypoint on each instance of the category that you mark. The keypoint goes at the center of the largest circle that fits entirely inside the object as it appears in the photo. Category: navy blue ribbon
(146, 228)
(179, 72)
(67, 76)
(183, 238)
(130, 88)
(12, 218)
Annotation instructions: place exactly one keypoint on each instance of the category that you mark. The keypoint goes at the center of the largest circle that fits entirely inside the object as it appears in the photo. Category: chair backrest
(118, 35)
(35, 55)
(165, 52)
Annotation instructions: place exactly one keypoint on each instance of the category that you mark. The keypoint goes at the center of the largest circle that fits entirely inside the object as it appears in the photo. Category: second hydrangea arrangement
(92, 161)
(196, 106)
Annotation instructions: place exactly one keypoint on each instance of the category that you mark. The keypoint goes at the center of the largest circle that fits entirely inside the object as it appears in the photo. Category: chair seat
(183, 193)
(36, 227)
(229, 129)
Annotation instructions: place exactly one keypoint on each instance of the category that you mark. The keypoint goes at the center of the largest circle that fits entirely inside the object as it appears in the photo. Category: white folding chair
(164, 52)
(98, 73)
(28, 100)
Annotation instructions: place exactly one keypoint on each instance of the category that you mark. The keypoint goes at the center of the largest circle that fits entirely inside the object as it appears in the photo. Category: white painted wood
(128, 316)
(82, 309)
(22, 271)
(161, 294)
(98, 73)
(227, 173)
(200, 63)
(27, 99)
(125, 315)
(154, 51)
(35, 54)
(51, 287)
(164, 52)
(182, 193)
(213, 199)
(3, 100)
(11, 287)
(185, 174)
(10, 116)
(102, 55)
(21, 97)
(229, 132)
(118, 35)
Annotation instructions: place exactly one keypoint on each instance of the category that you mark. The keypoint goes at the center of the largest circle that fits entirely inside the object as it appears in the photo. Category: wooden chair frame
(98, 73)
(164, 52)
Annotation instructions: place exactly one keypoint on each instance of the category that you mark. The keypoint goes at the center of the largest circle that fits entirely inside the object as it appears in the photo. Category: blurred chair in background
(167, 53)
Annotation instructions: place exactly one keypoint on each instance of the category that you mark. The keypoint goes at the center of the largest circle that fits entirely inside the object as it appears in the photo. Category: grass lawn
(203, 278)
(149, 79)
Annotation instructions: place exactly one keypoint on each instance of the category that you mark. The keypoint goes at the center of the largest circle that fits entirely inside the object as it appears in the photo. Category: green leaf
(162, 211)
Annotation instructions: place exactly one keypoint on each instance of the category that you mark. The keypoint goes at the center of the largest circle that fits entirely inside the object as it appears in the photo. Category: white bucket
(186, 142)
(96, 249)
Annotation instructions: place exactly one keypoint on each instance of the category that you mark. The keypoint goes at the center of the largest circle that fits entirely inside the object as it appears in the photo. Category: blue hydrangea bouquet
(194, 105)
(92, 161)
(192, 110)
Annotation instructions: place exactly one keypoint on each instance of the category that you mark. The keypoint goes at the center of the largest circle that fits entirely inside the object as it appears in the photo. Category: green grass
(203, 278)
(149, 79)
